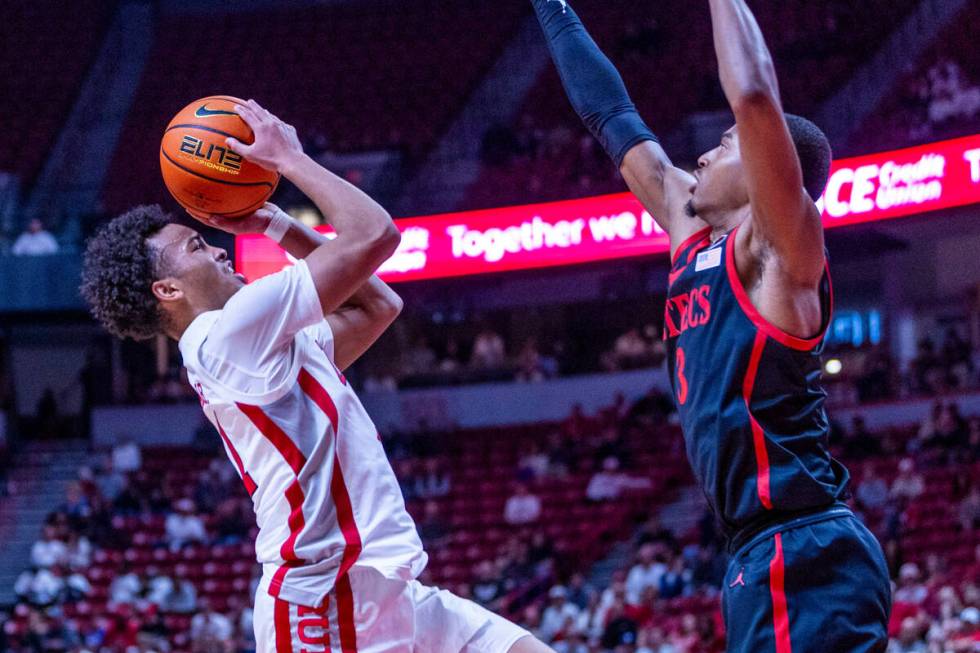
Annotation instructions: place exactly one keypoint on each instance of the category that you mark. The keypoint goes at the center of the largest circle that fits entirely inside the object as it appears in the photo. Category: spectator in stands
(927, 372)
(50, 550)
(872, 491)
(709, 569)
(488, 350)
(908, 485)
(522, 507)
(109, 480)
(580, 591)
(558, 619)
(620, 630)
(909, 639)
(419, 359)
(127, 456)
(533, 463)
(486, 587)
(40, 586)
(630, 350)
(675, 581)
(652, 640)
(532, 365)
(45, 633)
(433, 482)
(859, 442)
(647, 572)
(433, 530)
(78, 551)
(184, 526)
(451, 360)
(608, 483)
(126, 587)
(910, 587)
(211, 631)
(35, 241)
(969, 510)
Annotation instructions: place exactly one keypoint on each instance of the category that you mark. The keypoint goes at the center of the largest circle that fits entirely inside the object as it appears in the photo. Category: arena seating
(921, 108)
(350, 77)
(579, 531)
(666, 56)
(33, 36)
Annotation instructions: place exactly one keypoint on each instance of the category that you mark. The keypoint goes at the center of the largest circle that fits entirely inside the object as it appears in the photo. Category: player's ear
(167, 289)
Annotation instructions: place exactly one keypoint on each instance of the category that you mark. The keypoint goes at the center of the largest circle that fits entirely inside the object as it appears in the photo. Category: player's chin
(690, 210)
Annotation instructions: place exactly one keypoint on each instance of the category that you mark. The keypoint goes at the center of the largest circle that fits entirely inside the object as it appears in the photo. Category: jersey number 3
(681, 379)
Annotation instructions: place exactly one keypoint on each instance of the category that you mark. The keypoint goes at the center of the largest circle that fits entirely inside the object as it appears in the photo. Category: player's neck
(178, 320)
(725, 221)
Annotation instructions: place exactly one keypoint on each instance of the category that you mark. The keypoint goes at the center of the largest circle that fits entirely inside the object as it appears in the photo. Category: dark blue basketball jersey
(748, 394)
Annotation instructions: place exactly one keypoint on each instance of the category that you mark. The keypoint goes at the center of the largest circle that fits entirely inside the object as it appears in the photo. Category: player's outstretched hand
(275, 142)
(250, 224)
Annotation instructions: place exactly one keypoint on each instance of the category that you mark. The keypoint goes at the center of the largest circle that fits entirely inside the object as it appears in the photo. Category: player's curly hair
(118, 270)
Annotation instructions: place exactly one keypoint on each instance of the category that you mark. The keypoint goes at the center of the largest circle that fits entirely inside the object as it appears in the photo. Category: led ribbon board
(861, 189)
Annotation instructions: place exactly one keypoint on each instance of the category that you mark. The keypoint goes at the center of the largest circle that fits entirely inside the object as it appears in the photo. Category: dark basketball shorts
(816, 584)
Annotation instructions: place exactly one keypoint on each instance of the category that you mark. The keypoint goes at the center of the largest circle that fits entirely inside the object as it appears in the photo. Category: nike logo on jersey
(204, 112)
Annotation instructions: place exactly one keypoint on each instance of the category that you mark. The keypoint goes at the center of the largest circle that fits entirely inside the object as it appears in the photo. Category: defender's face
(720, 180)
(195, 271)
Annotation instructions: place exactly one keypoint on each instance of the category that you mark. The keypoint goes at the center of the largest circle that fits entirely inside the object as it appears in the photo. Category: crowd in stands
(937, 97)
(916, 488)
(67, 563)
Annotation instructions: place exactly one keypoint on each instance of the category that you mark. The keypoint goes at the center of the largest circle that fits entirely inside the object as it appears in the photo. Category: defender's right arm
(599, 96)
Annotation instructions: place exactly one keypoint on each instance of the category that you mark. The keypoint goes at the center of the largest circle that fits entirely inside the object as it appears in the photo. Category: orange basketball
(204, 174)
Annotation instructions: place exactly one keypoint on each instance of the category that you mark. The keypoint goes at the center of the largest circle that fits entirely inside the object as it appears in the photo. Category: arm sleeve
(258, 324)
(593, 85)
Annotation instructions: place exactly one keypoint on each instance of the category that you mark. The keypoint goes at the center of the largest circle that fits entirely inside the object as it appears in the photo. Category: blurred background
(527, 412)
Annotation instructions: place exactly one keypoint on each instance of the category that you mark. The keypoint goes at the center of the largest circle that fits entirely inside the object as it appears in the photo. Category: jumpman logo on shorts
(740, 580)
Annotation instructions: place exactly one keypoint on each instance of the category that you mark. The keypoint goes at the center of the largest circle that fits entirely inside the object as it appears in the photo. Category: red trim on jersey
(284, 633)
(320, 396)
(780, 615)
(345, 517)
(296, 520)
(690, 240)
(345, 615)
(250, 485)
(338, 489)
(276, 436)
(294, 493)
(761, 323)
(758, 435)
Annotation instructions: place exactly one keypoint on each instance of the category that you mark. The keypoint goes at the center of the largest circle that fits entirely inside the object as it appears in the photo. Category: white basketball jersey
(324, 494)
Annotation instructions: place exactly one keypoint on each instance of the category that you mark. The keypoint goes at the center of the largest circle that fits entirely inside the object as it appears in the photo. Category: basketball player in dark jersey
(748, 303)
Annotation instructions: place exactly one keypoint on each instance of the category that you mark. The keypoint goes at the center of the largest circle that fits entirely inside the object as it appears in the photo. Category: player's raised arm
(361, 319)
(598, 94)
(366, 235)
(784, 217)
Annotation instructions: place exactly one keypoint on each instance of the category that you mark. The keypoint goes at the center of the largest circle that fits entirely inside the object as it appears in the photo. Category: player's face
(720, 183)
(194, 271)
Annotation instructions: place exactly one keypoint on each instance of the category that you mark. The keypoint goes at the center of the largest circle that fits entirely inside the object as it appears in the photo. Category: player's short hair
(119, 270)
(813, 149)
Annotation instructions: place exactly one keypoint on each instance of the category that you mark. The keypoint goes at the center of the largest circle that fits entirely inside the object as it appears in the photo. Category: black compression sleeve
(592, 83)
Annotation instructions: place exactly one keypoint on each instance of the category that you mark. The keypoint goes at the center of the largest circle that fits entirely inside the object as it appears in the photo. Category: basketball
(201, 171)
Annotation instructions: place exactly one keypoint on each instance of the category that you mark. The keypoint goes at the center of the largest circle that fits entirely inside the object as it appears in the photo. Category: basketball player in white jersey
(340, 554)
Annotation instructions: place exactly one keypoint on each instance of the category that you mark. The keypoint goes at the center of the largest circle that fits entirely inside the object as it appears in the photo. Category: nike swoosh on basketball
(204, 112)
